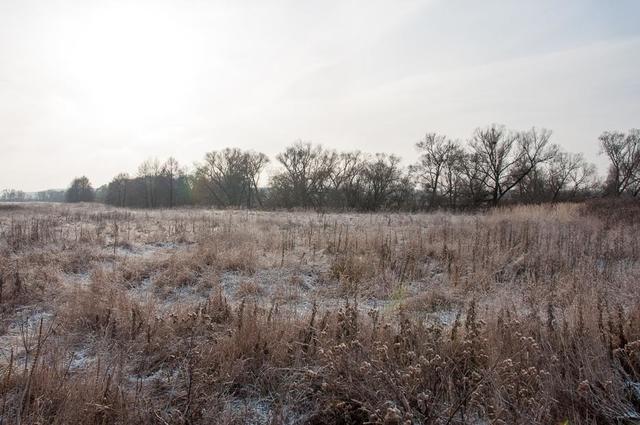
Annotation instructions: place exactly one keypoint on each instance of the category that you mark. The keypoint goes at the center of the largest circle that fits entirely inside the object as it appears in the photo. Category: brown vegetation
(520, 315)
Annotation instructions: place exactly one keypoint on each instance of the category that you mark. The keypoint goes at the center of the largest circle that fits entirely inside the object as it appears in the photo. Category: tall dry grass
(521, 315)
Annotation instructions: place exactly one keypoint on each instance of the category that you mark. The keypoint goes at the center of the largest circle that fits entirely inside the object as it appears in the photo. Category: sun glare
(128, 64)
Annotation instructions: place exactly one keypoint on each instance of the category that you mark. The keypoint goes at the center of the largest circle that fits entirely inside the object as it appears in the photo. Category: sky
(95, 87)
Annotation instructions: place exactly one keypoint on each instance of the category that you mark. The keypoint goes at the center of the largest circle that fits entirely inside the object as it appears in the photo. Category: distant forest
(495, 166)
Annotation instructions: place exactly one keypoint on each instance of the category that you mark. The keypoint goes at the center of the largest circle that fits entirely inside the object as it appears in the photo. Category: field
(528, 314)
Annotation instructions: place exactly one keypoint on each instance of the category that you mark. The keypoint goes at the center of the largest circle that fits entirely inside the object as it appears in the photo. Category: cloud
(94, 88)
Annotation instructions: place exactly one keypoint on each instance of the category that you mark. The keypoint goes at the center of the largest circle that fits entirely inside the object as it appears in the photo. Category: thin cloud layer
(94, 87)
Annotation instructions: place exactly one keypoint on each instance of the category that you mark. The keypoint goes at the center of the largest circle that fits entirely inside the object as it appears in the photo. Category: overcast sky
(94, 88)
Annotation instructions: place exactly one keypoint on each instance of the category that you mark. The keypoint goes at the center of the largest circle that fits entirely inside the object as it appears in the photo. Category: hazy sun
(128, 63)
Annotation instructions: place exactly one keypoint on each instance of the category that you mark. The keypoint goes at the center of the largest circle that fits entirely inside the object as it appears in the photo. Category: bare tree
(149, 171)
(506, 158)
(117, 193)
(223, 174)
(344, 179)
(623, 151)
(380, 175)
(80, 190)
(453, 172)
(255, 162)
(569, 173)
(438, 168)
(171, 169)
(473, 178)
(231, 176)
(307, 172)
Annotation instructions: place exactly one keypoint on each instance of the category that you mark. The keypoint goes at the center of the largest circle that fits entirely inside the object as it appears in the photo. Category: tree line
(495, 165)
(13, 195)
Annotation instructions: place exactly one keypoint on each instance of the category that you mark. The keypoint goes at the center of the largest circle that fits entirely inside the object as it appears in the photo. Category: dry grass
(520, 315)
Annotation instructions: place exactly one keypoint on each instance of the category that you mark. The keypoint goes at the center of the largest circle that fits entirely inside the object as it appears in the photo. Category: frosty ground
(525, 314)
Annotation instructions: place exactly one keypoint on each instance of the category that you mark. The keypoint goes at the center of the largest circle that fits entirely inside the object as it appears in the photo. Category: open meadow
(529, 314)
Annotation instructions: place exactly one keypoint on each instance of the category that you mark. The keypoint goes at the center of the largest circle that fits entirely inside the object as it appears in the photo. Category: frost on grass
(525, 315)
